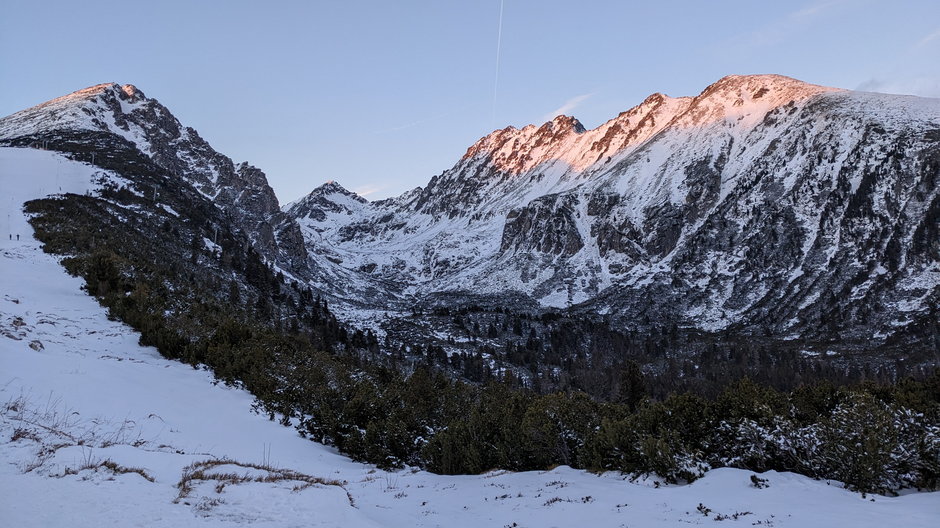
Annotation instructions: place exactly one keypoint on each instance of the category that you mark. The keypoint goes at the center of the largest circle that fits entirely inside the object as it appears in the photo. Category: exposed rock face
(763, 205)
(240, 190)
(545, 225)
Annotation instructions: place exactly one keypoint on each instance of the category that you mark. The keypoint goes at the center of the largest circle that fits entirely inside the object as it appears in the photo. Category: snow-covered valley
(96, 430)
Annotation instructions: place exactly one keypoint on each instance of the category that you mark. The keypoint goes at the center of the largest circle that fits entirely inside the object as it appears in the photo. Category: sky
(381, 96)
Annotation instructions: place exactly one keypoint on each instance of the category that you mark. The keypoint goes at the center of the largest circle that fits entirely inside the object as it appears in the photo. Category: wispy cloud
(922, 86)
(370, 188)
(811, 10)
(568, 106)
(928, 39)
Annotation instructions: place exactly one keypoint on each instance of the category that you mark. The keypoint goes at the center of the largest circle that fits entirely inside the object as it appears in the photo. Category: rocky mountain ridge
(763, 205)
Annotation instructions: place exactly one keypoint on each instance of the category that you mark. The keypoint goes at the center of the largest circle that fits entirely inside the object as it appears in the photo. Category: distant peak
(332, 187)
(654, 99)
(329, 196)
(762, 78)
(761, 83)
(560, 125)
(565, 123)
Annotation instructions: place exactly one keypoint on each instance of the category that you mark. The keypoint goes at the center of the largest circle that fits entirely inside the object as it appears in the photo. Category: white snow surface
(76, 391)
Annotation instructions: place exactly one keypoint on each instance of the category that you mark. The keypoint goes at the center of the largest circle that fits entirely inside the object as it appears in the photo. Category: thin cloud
(928, 39)
(369, 188)
(568, 106)
(811, 10)
(920, 86)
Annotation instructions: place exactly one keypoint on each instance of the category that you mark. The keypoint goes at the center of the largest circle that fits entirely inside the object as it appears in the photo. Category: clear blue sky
(382, 95)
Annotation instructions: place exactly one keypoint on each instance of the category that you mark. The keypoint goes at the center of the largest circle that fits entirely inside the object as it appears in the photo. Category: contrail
(499, 41)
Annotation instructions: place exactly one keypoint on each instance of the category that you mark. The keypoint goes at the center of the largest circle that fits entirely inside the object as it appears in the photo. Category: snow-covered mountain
(764, 204)
(101, 115)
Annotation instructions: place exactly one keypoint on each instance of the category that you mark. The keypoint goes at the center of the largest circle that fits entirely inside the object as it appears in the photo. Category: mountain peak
(127, 92)
(104, 107)
(564, 123)
(331, 187)
(654, 99)
(330, 197)
(329, 191)
(558, 126)
(758, 85)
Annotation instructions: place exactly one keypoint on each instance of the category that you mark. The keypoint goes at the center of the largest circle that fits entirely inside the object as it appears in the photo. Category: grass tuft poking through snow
(226, 472)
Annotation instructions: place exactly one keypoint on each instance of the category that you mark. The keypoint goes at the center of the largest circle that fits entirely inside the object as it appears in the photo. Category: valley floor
(96, 430)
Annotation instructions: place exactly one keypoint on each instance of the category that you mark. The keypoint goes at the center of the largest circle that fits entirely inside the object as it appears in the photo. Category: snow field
(96, 430)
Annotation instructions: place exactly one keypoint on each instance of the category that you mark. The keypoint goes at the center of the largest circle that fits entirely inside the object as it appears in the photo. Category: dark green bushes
(857, 435)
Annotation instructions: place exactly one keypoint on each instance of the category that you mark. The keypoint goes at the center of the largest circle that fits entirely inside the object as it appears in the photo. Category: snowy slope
(82, 407)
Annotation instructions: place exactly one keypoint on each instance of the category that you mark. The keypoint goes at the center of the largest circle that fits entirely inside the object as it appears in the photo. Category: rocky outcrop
(544, 225)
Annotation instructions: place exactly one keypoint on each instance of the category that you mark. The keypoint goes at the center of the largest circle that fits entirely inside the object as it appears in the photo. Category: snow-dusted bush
(876, 446)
